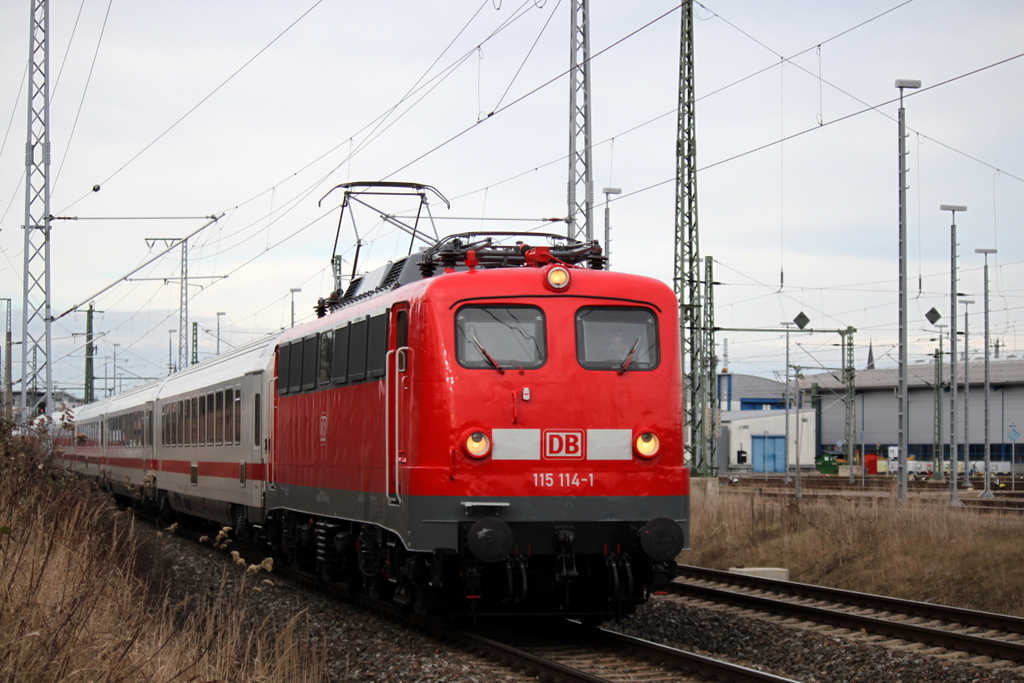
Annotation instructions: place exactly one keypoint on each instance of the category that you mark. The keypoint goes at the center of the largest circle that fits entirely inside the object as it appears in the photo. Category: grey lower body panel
(428, 522)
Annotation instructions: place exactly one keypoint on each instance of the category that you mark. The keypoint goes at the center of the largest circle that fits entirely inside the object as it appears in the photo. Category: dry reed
(918, 552)
(74, 605)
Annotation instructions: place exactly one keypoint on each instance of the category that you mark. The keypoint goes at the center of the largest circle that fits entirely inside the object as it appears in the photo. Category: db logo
(564, 444)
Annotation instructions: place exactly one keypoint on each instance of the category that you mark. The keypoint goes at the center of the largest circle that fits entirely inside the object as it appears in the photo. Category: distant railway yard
(1007, 494)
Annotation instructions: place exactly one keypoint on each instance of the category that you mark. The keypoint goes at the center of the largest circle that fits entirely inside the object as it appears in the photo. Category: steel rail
(1013, 651)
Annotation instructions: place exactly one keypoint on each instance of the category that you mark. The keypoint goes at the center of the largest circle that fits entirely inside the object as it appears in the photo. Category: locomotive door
(397, 382)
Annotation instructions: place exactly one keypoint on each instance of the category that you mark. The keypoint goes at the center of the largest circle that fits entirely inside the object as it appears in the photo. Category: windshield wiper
(483, 351)
(629, 357)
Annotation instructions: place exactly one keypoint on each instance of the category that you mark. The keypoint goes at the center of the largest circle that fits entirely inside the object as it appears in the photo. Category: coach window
(500, 337)
(617, 338)
(211, 418)
(187, 440)
(229, 415)
(256, 419)
(201, 421)
(238, 416)
(218, 418)
(339, 365)
(197, 435)
(326, 349)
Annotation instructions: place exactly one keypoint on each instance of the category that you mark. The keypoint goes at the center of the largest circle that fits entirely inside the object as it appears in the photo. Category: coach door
(397, 380)
(252, 473)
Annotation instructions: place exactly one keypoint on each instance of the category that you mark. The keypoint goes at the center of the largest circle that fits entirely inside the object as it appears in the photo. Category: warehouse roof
(1001, 371)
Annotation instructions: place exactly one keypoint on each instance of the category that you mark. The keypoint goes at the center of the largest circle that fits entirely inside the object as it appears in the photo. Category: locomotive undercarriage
(567, 571)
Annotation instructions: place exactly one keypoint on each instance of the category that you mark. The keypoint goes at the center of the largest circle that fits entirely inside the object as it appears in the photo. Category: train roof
(251, 357)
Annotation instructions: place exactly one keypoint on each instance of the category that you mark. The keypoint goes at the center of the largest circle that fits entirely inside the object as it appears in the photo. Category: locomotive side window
(295, 367)
(326, 350)
(617, 338)
(377, 346)
(282, 369)
(357, 350)
(309, 363)
(339, 366)
(500, 337)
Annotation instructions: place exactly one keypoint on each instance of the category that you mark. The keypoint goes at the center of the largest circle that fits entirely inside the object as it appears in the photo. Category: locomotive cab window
(617, 338)
(500, 337)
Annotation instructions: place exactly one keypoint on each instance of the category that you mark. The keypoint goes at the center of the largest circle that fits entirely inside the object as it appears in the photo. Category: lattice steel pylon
(581, 208)
(35, 325)
(687, 278)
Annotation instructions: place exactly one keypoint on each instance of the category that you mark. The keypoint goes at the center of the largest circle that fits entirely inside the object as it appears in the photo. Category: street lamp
(967, 392)
(903, 84)
(952, 208)
(608, 192)
(294, 291)
(220, 313)
(800, 321)
(937, 474)
(987, 493)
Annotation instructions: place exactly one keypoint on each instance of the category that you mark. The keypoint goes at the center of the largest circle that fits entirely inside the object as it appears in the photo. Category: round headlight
(558, 278)
(477, 445)
(647, 445)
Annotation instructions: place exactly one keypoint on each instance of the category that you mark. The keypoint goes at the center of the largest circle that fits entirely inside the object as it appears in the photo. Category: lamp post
(937, 474)
(987, 493)
(219, 314)
(294, 291)
(608, 192)
(903, 84)
(952, 208)
(796, 490)
(967, 393)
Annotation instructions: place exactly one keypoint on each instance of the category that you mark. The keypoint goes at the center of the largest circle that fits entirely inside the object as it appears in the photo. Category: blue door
(769, 453)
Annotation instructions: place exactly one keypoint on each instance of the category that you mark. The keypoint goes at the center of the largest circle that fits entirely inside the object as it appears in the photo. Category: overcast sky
(256, 109)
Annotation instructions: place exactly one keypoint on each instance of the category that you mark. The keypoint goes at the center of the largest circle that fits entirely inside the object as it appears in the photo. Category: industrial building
(753, 426)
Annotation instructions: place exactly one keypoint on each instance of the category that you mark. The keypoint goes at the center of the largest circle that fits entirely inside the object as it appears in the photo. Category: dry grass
(74, 605)
(916, 552)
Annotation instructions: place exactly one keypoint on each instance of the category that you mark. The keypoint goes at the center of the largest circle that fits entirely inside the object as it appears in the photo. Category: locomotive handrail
(392, 431)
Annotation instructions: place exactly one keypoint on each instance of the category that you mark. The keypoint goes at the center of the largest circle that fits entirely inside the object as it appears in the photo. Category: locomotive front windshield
(617, 338)
(500, 337)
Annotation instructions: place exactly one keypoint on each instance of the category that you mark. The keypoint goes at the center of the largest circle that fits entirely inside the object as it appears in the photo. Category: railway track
(939, 630)
(819, 487)
(546, 649)
(554, 649)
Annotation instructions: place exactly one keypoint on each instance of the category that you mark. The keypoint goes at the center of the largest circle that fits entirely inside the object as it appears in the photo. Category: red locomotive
(483, 427)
